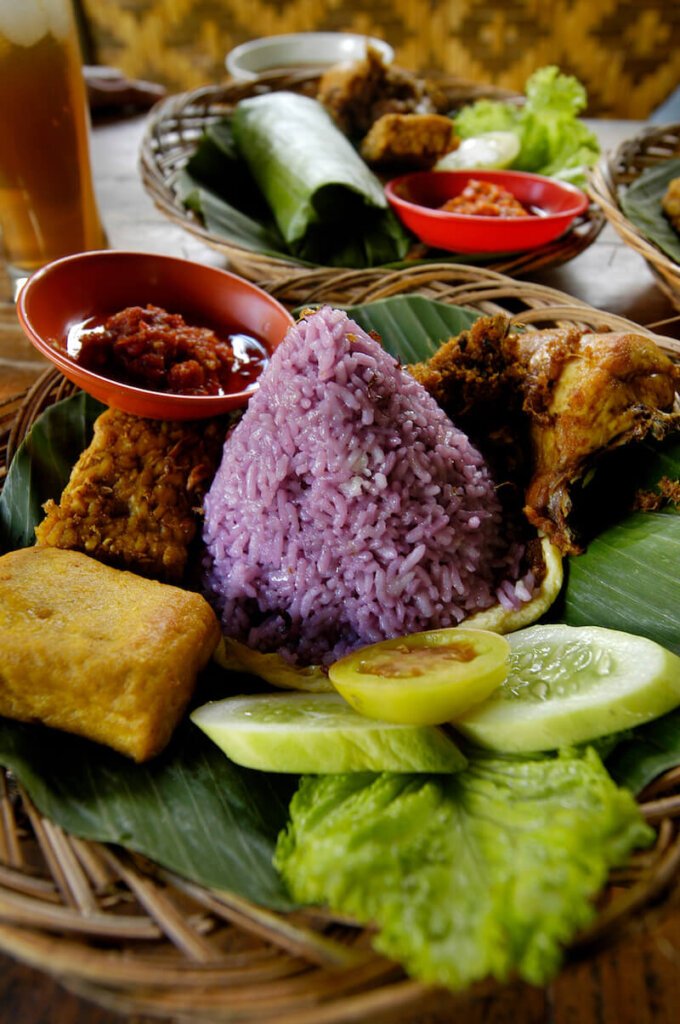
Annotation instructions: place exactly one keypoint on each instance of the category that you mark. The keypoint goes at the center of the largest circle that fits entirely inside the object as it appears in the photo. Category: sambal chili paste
(153, 349)
(485, 199)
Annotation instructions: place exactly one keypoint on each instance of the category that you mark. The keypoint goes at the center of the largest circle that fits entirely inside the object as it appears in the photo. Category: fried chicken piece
(667, 493)
(587, 394)
(670, 204)
(133, 495)
(545, 406)
(98, 652)
(476, 380)
(356, 94)
(414, 140)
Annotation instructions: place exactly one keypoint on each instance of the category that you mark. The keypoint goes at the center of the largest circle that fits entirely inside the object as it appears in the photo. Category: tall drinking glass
(47, 202)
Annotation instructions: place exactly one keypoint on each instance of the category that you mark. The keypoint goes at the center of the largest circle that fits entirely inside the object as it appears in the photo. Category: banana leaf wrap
(328, 206)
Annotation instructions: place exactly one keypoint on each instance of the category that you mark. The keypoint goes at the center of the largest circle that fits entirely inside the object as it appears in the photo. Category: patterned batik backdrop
(626, 52)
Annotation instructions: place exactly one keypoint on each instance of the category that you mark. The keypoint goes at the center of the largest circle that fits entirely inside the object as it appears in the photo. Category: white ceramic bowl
(300, 50)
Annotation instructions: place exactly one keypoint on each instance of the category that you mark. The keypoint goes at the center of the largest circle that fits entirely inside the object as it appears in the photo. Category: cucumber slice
(424, 678)
(321, 734)
(571, 684)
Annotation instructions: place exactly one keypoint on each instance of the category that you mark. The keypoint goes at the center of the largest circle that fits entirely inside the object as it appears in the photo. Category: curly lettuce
(488, 872)
(553, 141)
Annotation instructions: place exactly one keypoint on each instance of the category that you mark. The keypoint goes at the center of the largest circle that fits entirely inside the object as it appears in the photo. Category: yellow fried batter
(417, 140)
(132, 497)
(670, 203)
(98, 652)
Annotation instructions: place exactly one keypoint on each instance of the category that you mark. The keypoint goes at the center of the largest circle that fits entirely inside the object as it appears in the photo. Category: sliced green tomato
(571, 684)
(491, 150)
(424, 678)
(320, 734)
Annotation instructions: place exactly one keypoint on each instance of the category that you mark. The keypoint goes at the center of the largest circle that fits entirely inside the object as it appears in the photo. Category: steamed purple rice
(348, 508)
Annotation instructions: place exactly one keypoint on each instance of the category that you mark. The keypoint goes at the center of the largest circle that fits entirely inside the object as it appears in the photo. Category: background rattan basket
(175, 126)
(131, 936)
(616, 171)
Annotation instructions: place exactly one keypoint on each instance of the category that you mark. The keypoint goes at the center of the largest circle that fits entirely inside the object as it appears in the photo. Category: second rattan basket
(171, 136)
(616, 172)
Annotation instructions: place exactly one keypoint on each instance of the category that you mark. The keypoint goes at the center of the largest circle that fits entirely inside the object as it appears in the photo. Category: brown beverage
(47, 203)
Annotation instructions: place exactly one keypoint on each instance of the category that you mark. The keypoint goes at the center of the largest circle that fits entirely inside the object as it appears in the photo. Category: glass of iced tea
(47, 201)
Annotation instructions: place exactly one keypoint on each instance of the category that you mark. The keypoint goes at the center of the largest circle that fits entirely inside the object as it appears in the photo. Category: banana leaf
(225, 220)
(219, 165)
(281, 179)
(641, 203)
(629, 579)
(190, 810)
(412, 327)
(644, 755)
(308, 171)
(42, 466)
(629, 576)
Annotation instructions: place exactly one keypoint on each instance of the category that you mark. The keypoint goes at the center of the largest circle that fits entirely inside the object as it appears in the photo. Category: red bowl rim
(581, 200)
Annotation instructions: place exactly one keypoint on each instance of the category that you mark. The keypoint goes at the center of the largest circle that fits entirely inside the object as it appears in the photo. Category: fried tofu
(133, 495)
(415, 140)
(99, 652)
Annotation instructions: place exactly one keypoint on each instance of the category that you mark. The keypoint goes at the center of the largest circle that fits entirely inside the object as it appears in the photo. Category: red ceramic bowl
(416, 198)
(72, 290)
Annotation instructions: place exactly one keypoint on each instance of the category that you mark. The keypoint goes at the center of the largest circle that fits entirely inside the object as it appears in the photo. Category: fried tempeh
(132, 496)
(98, 652)
(416, 140)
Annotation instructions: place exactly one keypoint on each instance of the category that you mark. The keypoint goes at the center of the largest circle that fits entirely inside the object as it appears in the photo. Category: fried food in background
(133, 497)
(356, 94)
(670, 204)
(98, 652)
(414, 140)
(544, 407)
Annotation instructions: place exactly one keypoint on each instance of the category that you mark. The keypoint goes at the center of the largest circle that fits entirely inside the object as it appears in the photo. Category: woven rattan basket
(615, 172)
(171, 135)
(130, 936)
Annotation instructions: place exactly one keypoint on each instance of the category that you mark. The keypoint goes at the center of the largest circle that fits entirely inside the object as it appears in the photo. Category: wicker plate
(133, 937)
(619, 169)
(175, 126)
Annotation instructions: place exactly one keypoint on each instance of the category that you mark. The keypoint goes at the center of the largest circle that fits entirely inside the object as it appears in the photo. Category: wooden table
(636, 982)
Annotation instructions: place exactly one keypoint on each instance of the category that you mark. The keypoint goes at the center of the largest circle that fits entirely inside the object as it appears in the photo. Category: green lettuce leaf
(487, 116)
(486, 873)
(552, 139)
